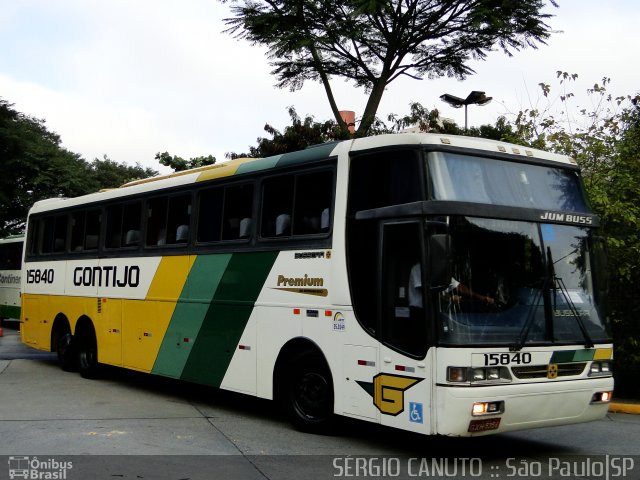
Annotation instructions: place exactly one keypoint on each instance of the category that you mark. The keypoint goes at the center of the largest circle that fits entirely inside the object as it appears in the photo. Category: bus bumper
(520, 406)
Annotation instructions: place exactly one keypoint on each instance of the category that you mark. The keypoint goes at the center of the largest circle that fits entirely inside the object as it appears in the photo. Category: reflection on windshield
(482, 180)
(520, 282)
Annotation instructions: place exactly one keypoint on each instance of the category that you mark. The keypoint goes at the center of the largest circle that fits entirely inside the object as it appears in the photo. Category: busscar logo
(388, 391)
(552, 370)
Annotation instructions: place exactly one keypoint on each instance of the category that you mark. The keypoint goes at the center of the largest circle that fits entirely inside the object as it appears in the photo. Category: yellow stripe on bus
(148, 320)
(224, 170)
(170, 277)
(603, 354)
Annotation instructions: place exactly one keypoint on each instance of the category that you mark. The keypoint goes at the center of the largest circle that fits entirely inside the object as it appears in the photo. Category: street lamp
(474, 98)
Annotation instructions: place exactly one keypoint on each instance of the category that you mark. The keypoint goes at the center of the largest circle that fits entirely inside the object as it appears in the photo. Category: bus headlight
(481, 375)
(598, 369)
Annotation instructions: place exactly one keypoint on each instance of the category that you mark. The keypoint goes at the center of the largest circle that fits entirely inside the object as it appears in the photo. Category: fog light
(601, 397)
(487, 408)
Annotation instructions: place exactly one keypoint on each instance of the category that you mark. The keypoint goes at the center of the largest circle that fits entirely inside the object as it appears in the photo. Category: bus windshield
(515, 283)
(466, 178)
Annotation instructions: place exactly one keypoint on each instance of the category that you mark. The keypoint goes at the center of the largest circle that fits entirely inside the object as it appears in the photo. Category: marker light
(457, 374)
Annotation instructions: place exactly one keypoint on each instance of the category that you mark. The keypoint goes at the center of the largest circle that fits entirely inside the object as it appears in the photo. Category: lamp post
(474, 98)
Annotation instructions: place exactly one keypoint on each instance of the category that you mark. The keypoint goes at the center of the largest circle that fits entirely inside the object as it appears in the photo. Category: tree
(605, 142)
(179, 164)
(107, 173)
(35, 166)
(298, 136)
(374, 42)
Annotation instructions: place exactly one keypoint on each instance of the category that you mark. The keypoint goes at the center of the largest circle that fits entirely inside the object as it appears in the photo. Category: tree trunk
(369, 115)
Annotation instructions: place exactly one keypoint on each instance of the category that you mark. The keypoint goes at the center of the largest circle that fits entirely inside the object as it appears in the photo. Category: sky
(131, 78)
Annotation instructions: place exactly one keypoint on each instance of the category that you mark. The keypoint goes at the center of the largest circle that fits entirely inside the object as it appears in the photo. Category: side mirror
(440, 261)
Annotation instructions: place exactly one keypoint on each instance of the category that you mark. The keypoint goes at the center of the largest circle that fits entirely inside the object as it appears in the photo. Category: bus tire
(87, 347)
(307, 393)
(67, 357)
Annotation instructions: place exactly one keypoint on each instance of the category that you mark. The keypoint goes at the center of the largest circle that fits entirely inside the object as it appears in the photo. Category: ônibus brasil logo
(34, 468)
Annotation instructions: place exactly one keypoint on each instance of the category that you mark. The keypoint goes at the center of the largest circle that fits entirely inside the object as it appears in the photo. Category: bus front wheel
(307, 395)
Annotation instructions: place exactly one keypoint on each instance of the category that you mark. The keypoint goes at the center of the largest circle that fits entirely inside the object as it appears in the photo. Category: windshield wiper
(524, 333)
(557, 283)
(588, 343)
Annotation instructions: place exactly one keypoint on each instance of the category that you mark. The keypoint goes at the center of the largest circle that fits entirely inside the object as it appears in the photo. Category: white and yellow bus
(437, 284)
(10, 271)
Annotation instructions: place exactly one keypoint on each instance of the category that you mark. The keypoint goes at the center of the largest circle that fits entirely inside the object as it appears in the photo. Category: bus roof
(19, 237)
(311, 154)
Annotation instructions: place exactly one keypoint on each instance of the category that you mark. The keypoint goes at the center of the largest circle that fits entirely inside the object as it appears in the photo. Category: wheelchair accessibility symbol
(415, 412)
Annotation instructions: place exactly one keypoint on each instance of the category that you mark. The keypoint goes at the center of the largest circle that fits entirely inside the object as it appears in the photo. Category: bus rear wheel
(88, 353)
(307, 393)
(67, 357)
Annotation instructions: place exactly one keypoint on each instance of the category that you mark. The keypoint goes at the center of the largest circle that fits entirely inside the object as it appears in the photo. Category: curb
(631, 408)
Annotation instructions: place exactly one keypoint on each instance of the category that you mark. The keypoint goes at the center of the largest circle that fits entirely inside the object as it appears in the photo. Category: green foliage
(106, 173)
(297, 136)
(373, 42)
(35, 166)
(605, 141)
(179, 164)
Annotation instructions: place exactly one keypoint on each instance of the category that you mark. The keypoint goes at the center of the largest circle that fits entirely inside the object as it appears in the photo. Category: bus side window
(313, 197)
(385, 178)
(179, 219)
(54, 234)
(210, 214)
(238, 206)
(156, 221)
(92, 230)
(114, 226)
(131, 224)
(277, 206)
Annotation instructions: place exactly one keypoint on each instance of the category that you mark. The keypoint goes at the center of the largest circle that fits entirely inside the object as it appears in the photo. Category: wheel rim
(64, 345)
(87, 355)
(311, 396)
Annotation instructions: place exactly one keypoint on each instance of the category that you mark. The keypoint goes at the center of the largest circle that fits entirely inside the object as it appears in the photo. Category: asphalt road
(132, 425)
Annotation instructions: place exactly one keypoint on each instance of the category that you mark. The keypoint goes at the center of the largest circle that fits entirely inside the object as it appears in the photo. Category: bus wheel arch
(303, 386)
(86, 347)
(62, 342)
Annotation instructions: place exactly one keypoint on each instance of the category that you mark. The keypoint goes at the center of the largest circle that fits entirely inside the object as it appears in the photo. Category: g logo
(552, 370)
(388, 392)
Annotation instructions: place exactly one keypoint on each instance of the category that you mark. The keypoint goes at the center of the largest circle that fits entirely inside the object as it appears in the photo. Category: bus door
(402, 388)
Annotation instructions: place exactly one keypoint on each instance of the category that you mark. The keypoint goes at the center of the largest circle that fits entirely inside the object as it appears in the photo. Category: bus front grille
(542, 371)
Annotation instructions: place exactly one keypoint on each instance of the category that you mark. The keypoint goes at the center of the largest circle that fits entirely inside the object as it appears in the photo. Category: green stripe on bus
(257, 165)
(227, 317)
(569, 356)
(194, 302)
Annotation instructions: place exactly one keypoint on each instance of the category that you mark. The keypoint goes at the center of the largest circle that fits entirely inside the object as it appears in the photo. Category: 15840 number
(519, 358)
